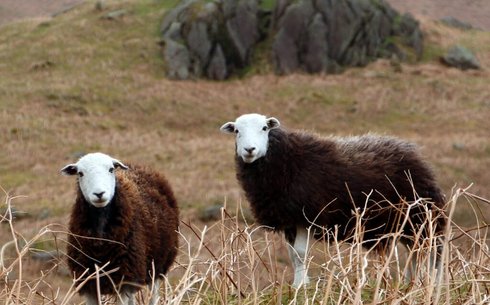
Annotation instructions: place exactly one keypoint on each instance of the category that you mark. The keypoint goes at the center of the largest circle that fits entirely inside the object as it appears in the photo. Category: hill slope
(80, 83)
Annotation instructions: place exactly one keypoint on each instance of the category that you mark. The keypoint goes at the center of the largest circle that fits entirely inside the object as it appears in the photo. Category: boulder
(16, 214)
(198, 41)
(115, 14)
(214, 39)
(325, 35)
(211, 213)
(174, 14)
(242, 28)
(456, 23)
(287, 45)
(461, 58)
(177, 59)
(217, 66)
(316, 46)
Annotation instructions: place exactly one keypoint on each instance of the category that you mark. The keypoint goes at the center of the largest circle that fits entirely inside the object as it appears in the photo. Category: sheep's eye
(111, 170)
(264, 128)
(236, 130)
(80, 174)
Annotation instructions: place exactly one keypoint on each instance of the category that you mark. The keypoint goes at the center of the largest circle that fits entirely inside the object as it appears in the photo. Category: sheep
(126, 220)
(295, 180)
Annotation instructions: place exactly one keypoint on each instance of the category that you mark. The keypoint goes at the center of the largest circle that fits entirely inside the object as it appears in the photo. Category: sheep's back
(394, 173)
(305, 178)
(388, 164)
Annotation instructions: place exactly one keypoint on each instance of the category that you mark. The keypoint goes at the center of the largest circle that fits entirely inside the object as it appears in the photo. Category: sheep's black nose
(250, 149)
(99, 195)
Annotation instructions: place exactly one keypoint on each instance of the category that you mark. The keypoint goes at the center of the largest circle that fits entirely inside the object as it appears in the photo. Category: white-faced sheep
(294, 180)
(125, 219)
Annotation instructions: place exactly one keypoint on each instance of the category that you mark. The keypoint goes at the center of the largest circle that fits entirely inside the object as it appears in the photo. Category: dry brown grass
(78, 83)
(231, 262)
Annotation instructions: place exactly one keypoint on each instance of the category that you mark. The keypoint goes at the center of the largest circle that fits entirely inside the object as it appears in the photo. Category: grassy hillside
(80, 82)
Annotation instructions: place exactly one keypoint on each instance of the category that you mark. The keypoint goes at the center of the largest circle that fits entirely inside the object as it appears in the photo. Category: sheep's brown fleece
(305, 179)
(139, 225)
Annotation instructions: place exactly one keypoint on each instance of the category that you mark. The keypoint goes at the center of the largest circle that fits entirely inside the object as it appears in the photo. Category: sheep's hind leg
(298, 240)
(436, 258)
(126, 298)
(414, 271)
(155, 295)
(90, 299)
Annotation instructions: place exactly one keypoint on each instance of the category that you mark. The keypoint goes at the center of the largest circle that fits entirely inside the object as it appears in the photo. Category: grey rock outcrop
(326, 35)
(461, 58)
(217, 39)
(213, 39)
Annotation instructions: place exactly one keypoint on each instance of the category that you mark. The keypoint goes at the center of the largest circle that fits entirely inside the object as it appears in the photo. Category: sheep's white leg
(436, 259)
(91, 299)
(411, 271)
(435, 262)
(298, 252)
(155, 296)
(126, 298)
(131, 299)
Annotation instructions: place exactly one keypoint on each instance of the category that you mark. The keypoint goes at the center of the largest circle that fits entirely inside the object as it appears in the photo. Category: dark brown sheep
(125, 219)
(295, 179)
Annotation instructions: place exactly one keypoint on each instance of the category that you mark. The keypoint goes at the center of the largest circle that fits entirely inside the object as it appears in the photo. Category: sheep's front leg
(298, 240)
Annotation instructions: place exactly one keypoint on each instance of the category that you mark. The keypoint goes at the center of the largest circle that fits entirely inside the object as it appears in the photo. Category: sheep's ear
(228, 127)
(69, 170)
(119, 164)
(273, 123)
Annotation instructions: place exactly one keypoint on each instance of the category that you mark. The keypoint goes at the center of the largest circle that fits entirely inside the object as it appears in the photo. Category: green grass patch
(432, 52)
(14, 178)
(150, 7)
(44, 245)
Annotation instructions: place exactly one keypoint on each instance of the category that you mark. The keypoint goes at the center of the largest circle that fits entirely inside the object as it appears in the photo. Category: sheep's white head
(96, 177)
(252, 135)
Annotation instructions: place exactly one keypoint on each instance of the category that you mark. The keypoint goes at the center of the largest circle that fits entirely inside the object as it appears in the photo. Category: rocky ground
(475, 12)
